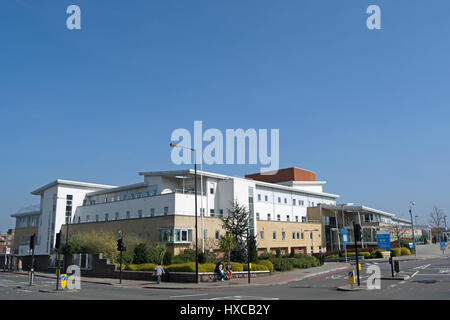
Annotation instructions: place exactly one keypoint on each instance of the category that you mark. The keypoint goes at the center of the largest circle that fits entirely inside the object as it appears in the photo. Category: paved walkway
(276, 278)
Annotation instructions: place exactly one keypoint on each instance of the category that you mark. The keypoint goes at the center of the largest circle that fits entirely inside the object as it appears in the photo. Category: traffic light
(357, 232)
(120, 245)
(58, 241)
(32, 241)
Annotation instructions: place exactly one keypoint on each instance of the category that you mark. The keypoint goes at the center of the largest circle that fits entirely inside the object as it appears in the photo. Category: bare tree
(436, 217)
(398, 231)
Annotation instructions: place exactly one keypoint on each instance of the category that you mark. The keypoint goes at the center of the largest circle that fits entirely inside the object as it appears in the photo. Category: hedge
(190, 267)
(268, 264)
(378, 253)
(366, 255)
(141, 267)
(256, 267)
(396, 252)
(405, 252)
(283, 264)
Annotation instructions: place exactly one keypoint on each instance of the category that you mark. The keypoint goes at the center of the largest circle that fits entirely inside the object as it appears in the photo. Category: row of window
(288, 217)
(295, 235)
(122, 197)
(117, 216)
(294, 201)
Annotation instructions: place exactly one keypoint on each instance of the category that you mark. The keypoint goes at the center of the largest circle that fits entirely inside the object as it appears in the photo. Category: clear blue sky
(368, 111)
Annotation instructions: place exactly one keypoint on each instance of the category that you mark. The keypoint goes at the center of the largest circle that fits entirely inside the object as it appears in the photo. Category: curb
(406, 277)
(52, 277)
(349, 288)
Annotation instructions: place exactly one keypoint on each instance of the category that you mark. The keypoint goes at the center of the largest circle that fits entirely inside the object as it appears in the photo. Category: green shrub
(365, 254)
(167, 258)
(268, 264)
(396, 252)
(351, 254)
(190, 267)
(282, 264)
(405, 252)
(141, 254)
(278, 253)
(377, 253)
(332, 256)
(256, 267)
(237, 266)
(141, 267)
(266, 255)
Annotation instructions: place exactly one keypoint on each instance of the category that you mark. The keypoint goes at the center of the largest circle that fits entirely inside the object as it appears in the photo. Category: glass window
(106, 216)
(259, 197)
(278, 217)
(184, 235)
(283, 235)
(266, 198)
(128, 215)
(257, 216)
(96, 217)
(152, 212)
(261, 235)
(279, 200)
(217, 235)
(298, 235)
(288, 218)
(296, 218)
(274, 235)
(293, 202)
(117, 216)
(166, 211)
(293, 235)
(268, 216)
(140, 213)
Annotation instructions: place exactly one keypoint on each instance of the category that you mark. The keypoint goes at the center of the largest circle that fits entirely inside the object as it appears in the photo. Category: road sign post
(357, 234)
(344, 233)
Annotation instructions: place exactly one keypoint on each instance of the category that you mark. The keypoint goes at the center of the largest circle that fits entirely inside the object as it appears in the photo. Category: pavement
(276, 278)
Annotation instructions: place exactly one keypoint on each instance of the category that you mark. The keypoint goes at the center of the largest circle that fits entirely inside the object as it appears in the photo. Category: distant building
(7, 241)
(287, 211)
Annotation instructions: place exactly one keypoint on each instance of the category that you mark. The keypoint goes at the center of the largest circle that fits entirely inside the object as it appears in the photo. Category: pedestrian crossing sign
(63, 280)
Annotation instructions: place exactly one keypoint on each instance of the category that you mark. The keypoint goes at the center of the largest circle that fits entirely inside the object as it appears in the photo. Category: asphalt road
(429, 279)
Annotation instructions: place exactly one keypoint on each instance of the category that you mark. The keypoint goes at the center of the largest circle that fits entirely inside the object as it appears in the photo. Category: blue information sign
(443, 244)
(384, 240)
(344, 239)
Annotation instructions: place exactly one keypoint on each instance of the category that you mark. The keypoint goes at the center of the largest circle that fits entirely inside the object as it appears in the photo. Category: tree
(161, 252)
(141, 254)
(236, 224)
(436, 217)
(398, 231)
(227, 244)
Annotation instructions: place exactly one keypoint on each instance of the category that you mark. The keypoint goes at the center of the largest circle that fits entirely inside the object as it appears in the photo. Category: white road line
(414, 274)
(423, 267)
(435, 274)
(190, 295)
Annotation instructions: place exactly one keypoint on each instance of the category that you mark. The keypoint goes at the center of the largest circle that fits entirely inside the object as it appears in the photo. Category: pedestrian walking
(159, 271)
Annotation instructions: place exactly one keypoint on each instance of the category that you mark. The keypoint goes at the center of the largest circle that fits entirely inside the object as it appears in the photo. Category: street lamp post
(312, 239)
(411, 204)
(195, 192)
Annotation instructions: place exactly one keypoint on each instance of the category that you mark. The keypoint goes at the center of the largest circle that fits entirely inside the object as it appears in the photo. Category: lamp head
(173, 145)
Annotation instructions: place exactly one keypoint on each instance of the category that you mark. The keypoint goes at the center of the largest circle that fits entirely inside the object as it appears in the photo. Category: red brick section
(283, 175)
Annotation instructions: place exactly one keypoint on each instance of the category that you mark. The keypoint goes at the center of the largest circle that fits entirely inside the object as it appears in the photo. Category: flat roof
(71, 183)
(176, 173)
(118, 189)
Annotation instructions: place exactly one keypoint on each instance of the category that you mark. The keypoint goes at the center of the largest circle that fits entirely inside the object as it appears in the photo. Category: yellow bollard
(351, 278)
